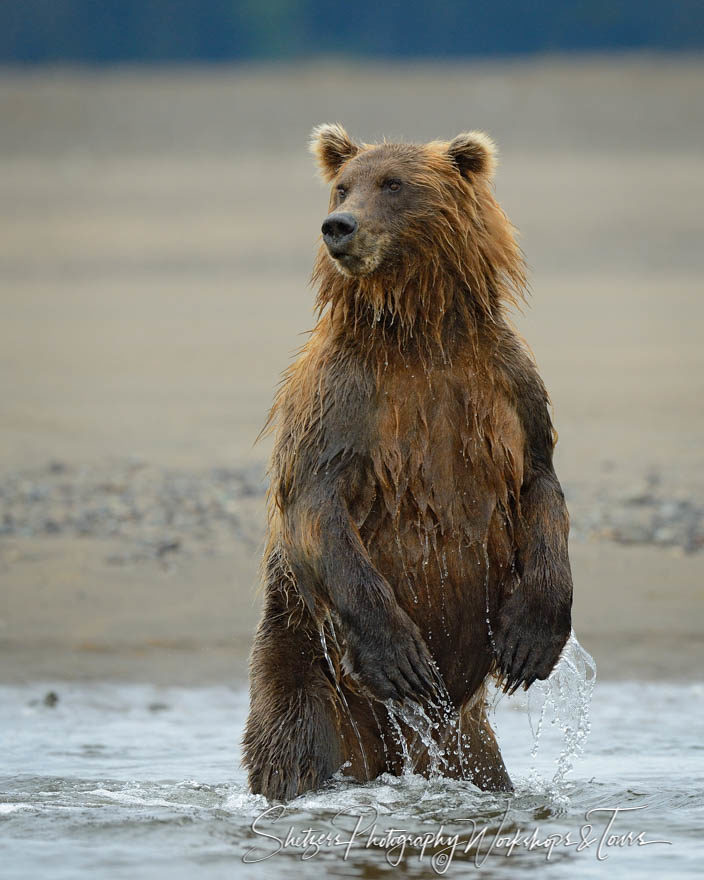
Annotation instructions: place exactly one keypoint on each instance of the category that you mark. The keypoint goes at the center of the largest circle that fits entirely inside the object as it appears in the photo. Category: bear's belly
(437, 522)
(448, 565)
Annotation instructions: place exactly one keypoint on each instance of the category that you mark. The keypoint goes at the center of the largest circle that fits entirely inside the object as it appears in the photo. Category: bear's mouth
(358, 257)
(346, 259)
(349, 263)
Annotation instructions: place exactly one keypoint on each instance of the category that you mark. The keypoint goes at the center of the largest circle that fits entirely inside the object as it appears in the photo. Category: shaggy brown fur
(417, 531)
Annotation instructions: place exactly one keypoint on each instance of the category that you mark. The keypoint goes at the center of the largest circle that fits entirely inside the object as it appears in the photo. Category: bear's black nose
(338, 228)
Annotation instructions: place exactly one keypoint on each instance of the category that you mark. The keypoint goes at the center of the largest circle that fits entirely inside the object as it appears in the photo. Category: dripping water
(425, 541)
(408, 767)
(419, 722)
(402, 557)
(343, 698)
(486, 595)
(379, 728)
(442, 564)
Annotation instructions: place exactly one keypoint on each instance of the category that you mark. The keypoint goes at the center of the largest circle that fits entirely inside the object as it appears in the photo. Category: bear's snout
(338, 231)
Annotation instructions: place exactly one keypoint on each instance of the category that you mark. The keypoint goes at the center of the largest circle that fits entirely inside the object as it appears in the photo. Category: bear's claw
(528, 644)
(394, 661)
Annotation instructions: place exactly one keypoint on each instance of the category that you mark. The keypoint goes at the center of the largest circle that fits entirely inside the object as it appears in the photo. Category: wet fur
(412, 491)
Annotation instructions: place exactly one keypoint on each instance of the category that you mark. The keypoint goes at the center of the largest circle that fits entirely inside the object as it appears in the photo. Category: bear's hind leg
(292, 740)
(471, 752)
(481, 757)
(290, 745)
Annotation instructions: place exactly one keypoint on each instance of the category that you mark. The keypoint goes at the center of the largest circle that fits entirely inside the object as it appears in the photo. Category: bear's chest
(445, 446)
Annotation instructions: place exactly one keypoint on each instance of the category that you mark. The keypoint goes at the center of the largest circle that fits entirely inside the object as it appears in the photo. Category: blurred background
(158, 220)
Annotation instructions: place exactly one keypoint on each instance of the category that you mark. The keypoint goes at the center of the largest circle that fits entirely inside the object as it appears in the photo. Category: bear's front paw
(392, 661)
(528, 641)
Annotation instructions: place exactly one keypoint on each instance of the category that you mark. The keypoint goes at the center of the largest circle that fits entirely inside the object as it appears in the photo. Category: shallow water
(136, 781)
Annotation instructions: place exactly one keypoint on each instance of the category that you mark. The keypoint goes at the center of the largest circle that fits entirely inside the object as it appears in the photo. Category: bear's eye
(391, 185)
(341, 192)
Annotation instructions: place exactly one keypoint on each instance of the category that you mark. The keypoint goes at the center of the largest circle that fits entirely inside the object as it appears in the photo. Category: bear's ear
(331, 146)
(474, 153)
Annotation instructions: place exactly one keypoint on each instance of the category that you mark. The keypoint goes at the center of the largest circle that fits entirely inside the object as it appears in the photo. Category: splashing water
(563, 701)
(566, 696)
(424, 728)
(408, 762)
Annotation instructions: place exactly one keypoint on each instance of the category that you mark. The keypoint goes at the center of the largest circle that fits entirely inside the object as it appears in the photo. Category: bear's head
(415, 215)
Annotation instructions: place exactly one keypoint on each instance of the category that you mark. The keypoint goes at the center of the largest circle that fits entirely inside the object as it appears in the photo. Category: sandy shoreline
(149, 305)
(149, 627)
(137, 574)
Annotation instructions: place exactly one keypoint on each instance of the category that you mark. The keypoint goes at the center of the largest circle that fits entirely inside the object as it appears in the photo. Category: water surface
(127, 781)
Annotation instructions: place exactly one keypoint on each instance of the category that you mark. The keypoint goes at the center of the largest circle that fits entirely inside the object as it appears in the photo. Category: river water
(134, 781)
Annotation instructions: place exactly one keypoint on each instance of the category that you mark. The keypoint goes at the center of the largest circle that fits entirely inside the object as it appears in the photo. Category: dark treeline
(35, 31)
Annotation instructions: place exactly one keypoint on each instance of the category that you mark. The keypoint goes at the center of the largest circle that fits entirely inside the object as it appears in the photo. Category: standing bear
(417, 538)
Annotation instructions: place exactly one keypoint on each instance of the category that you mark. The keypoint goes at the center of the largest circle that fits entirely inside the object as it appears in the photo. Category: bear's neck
(426, 318)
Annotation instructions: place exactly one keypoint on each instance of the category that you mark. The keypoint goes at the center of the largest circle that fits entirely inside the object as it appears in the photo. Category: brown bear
(417, 539)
